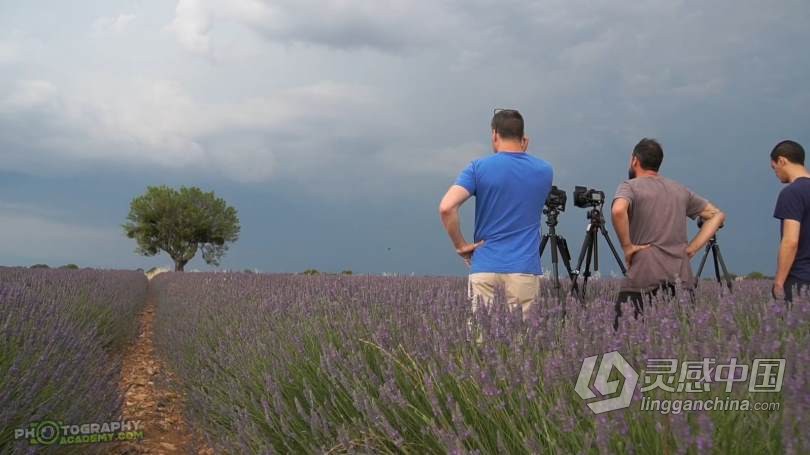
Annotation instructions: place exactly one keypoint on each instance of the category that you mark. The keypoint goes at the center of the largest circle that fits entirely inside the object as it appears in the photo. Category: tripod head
(713, 238)
(700, 224)
(551, 216)
(596, 216)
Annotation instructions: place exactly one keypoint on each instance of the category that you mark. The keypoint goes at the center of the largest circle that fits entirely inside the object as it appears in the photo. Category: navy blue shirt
(510, 190)
(794, 204)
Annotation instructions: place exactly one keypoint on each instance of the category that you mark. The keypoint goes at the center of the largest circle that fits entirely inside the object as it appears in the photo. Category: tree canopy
(180, 223)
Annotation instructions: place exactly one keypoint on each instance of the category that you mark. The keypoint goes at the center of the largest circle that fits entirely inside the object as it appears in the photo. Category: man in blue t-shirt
(793, 209)
(510, 188)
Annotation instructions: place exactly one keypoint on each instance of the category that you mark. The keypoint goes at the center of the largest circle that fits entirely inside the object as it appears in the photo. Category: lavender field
(357, 364)
(61, 337)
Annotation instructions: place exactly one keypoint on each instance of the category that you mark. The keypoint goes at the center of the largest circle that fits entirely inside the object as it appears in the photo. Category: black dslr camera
(556, 199)
(588, 197)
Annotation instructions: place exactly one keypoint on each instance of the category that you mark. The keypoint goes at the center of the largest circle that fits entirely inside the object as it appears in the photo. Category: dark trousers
(793, 285)
(637, 299)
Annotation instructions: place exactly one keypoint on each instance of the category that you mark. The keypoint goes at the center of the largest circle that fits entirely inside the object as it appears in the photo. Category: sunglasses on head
(496, 110)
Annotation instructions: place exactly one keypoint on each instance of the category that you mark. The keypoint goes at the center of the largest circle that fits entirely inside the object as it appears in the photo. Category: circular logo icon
(47, 432)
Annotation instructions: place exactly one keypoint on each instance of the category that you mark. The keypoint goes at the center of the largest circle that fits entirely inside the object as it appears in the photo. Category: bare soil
(148, 397)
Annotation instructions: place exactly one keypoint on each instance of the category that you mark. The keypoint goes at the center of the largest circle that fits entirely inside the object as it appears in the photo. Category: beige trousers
(520, 288)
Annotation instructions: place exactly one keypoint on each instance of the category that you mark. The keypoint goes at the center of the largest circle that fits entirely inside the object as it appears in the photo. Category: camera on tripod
(589, 254)
(556, 199)
(588, 197)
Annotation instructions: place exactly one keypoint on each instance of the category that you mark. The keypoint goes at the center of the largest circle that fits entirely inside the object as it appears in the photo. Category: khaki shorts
(520, 288)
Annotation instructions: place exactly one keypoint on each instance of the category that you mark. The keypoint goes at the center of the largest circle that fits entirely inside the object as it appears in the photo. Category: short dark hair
(649, 154)
(791, 150)
(508, 123)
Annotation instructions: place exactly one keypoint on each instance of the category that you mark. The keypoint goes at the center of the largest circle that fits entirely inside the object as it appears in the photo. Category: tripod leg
(566, 258)
(543, 242)
(562, 245)
(719, 258)
(703, 262)
(613, 250)
(555, 271)
(590, 239)
(583, 251)
(716, 264)
(555, 246)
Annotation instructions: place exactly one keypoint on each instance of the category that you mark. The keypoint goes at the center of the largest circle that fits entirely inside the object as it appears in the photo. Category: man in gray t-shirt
(650, 215)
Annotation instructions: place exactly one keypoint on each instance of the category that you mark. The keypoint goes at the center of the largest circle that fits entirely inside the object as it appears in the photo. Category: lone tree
(180, 223)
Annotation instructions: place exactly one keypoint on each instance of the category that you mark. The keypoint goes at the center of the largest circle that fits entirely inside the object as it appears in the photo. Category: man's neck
(510, 147)
(796, 172)
(646, 173)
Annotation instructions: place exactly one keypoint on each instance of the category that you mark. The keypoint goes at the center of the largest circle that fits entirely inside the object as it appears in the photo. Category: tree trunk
(179, 265)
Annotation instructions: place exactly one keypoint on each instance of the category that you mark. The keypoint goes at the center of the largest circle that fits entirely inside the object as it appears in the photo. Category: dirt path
(148, 398)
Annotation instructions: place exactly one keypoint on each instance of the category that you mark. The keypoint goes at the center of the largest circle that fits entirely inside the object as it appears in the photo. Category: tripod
(558, 245)
(590, 248)
(719, 263)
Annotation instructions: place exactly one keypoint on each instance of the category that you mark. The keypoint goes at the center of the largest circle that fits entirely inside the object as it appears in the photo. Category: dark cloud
(337, 126)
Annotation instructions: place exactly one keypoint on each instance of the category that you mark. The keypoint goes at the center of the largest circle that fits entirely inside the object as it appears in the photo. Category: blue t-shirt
(794, 204)
(510, 190)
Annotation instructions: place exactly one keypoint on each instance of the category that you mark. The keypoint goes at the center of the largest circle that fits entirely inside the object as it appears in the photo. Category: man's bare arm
(787, 250)
(448, 210)
(713, 218)
(621, 220)
(620, 216)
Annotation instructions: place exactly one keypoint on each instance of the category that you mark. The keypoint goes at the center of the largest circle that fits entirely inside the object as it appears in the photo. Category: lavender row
(326, 364)
(61, 339)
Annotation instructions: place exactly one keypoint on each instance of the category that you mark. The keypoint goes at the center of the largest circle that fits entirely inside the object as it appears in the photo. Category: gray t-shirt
(658, 210)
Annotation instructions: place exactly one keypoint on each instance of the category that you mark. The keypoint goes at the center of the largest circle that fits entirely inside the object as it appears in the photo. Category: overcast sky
(334, 127)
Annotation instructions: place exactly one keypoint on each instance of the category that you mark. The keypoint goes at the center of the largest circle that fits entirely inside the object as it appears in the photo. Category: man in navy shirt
(510, 188)
(793, 209)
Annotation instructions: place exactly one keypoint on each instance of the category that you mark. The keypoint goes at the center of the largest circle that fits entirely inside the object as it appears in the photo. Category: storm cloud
(335, 126)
